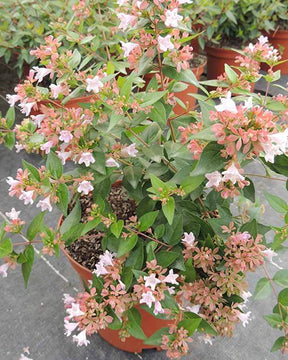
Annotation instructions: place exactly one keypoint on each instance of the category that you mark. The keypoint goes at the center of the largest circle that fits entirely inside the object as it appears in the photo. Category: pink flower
(121, 2)
(244, 317)
(111, 163)
(74, 311)
(68, 300)
(86, 158)
(3, 270)
(56, 90)
(232, 174)
(85, 187)
(81, 339)
(13, 214)
(27, 197)
(19, 147)
(47, 146)
(100, 269)
(172, 18)
(26, 107)
(147, 298)
(158, 308)
(165, 43)
(94, 84)
(214, 178)
(41, 73)
(38, 119)
(245, 295)
(189, 239)
(128, 47)
(269, 254)
(171, 278)
(63, 156)
(107, 258)
(23, 357)
(151, 281)
(263, 40)
(129, 150)
(12, 183)
(12, 99)
(69, 327)
(45, 204)
(126, 20)
(227, 104)
(65, 136)
(276, 146)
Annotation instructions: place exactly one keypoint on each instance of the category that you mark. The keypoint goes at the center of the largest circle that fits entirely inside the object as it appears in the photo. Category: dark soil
(283, 24)
(87, 249)
(197, 60)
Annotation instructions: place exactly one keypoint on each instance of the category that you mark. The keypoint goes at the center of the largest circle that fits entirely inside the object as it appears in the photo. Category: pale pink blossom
(38, 119)
(263, 40)
(171, 278)
(232, 174)
(26, 107)
(100, 269)
(111, 163)
(245, 295)
(269, 254)
(122, 2)
(47, 146)
(12, 182)
(69, 327)
(23, 357)
(128, 47)
(65, 136)
(45, 204)
(107, 258)
(276, 145)
(244, 317)
(94, 84)
(151, 281)
(3, 270)
(158, 308)
(41, 73)
(85, 187)
(68, 299)
(74, 311)
(19, 147)
(189, 239)
(81, 339)
(27, 197)
(12, 99)
(63, 156)
(172, 18)
(56, 90)
(129, 150)
(86, 158)
(214, 178)
(248, 104)
(147, 298)
(181, 2)
(227, 104)
(126, 21)
(26, 350)
(206, 338)
(165, 43)
(13, 214)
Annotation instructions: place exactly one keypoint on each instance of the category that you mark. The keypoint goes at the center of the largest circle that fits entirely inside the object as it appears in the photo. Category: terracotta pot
(194, 42)
(149, 324)
(216, 60)
(279, 39)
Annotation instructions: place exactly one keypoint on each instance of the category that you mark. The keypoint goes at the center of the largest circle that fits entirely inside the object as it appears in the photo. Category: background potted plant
(165, 240)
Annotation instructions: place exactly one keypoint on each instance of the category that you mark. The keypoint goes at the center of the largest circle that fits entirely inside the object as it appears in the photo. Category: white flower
(47, 146)
(86, 158)
(12, 182)
(19, 147)
(45, 204)
(74, 311)
(147, 298)
(214, 178)
(3, 270)
(27, 197)
(126, 20)
(128, 47)
(65, 136)
(171, 277)
(107, 258)
(129, 150)
(13, 214)
(12, 99)
(188, 306)
(276, 146)
(244, 317)
(189, 239)
(63, 156)
(38, 119)
(151, 281)
(55, 90)
(69, 327)
(165, 43)
(232, 174)
(111, 163)
(172, 18)
(26, 107)
(251, 47)
(206, 338)
(85, 187)
(185, 2)
(245, 295)
(121, 2)
(263, 40)
(158, 308)
(248, 103)
(227, 104)
(100, 269)
(81, 339)
(41, 72)
(68, 300)
(269, 254)
(23, 357)
(94, 84)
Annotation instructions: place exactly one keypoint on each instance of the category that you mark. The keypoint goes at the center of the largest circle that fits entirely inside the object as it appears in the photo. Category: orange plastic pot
(216, 60)
(279, 40)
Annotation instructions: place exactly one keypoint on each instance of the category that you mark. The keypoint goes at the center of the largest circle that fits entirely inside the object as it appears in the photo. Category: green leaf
(273, 320)
(27, 266)
(156, 338)
(189, 273)
(191, 183)
(249, 191)
(190, 324)
(263, 289)
(281, 277)
(9, 140)
(6, 248)
(150, 98)
(166, 258)
(147, 220)
(205, 134)
(136, 257)
(35, 226)
(251, 228)
(2, 231)
(100, 162)
(150, 248)
(277, 203)
(54, 165)
(127, 245)
(279, 343)
(32, 170)
(134, 324)
(72, 219)
(75, 60)
(173, 232)
(158, 114)
(231, 74)
(210, 160)
(63, 195)
(10, 117)
(116, 228)
(205, 327)
(127, 276)
(168, 209)
(283, 297)
(133, 175)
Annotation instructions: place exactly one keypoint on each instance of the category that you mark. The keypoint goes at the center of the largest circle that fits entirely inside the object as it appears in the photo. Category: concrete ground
(34, 317)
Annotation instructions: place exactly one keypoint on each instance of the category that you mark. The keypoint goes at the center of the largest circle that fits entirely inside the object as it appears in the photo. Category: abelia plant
(183, 255)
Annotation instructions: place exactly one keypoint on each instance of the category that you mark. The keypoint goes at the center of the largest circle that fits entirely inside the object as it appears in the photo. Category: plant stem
(265, 177)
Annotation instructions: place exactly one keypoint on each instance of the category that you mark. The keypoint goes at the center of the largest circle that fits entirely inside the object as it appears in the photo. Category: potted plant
(153, 193)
